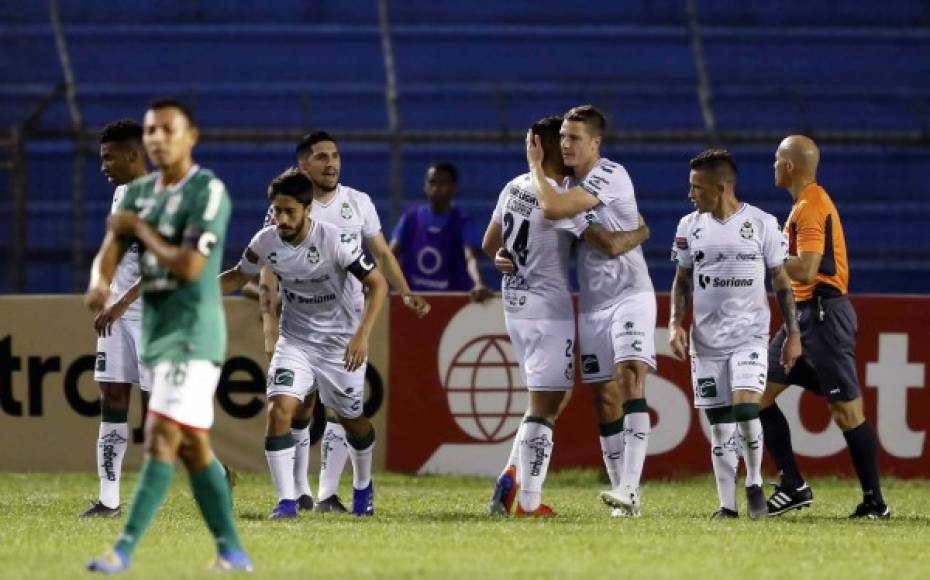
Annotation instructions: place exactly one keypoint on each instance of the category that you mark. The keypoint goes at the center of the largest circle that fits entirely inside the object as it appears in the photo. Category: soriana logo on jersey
(457, 397)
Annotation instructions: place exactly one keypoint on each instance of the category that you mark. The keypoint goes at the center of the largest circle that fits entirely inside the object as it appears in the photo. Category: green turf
(435, 527)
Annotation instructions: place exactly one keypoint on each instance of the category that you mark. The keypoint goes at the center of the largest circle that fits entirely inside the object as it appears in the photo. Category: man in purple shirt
(436, 243)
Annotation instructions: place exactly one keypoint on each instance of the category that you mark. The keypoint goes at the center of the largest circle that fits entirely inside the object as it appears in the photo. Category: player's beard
(294, 232)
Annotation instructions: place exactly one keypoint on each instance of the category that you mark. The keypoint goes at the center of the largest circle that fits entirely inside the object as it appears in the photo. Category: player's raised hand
(356, 352)
(503, 261)
(96, 297)
(790, 351)
(534, 150)
(678, 340)
(123, 223)
(418, 304)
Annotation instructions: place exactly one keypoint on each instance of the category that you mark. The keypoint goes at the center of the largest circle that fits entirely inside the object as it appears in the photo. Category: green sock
(215, 501)
(154, 480)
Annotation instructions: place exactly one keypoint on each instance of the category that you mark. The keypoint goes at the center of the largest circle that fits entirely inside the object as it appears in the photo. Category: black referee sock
(778, 441)
(864, 452)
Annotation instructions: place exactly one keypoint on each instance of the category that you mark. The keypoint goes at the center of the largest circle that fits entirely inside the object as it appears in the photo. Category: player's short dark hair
(122, 131)
(717, 161)
(447, 168)
(306, 143)
(293, 183)
(547, 129)
(594, 120)
(173, 103)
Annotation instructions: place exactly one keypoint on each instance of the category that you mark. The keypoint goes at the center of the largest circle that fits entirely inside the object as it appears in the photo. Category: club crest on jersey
(313, 255)
(746, 231)
(346, 211)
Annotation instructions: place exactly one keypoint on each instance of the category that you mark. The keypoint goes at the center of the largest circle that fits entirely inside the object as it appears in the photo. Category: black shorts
(828, 339)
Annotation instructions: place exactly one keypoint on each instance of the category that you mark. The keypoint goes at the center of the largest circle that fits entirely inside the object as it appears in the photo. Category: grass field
(435, 527)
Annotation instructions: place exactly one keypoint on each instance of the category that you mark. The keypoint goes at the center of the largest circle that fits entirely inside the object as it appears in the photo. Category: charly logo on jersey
(696, 234)
(746, 231)
(637, 345)
(284, 377)
(699, 257)
(313, 255)
(346, 211)
(272, 258)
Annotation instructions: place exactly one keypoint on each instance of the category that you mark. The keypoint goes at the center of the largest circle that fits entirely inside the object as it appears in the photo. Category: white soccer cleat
(624, 500)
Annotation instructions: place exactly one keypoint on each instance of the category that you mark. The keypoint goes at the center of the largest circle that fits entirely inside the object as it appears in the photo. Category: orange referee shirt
(814, 226)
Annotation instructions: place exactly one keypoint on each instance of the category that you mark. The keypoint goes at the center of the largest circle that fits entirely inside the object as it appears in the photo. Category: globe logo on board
(480, 374)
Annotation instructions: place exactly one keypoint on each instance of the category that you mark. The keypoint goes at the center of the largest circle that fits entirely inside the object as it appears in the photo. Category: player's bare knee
(745, 396)
(355, 427)
(114, 397)
(280, 414)
(608, 405)
(162, 439)
(847, 414)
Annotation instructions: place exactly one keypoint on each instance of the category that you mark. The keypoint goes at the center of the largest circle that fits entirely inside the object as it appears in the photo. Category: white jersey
(320, 306)
(128, 270)
(540, 249)
(729, 261)
(603, 280)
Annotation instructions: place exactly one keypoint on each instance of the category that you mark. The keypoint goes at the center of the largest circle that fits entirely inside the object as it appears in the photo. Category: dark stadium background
(402, 83)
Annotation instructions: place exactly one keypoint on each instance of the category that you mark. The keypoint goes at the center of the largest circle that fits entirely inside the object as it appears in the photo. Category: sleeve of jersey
(775, 245)
(354, 260)
(209, 218)
(609, 182)
(372, 225)
(577, 224)
(681, 253)
(251, 261)
(811, 228)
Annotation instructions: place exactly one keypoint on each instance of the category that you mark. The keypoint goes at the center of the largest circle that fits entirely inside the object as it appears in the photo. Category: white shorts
(715, 379)
(621, 332)
(119, 355)
(297, 369)
(545, 351)
(183, 391)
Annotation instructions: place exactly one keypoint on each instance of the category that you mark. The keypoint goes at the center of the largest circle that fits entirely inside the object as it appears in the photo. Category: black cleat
(330, 504)
(755, 502)
(871, 510)
(98, 510)
(305, 503)
(785, 499)
(724, 514)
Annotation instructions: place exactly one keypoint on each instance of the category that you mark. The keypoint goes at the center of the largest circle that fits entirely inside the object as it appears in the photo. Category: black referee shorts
(828, 339)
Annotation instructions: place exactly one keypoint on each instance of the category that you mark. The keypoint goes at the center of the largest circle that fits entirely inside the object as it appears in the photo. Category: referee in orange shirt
(820, 280)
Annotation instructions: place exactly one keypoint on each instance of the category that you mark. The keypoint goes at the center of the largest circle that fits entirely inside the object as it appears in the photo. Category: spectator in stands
(436, 243)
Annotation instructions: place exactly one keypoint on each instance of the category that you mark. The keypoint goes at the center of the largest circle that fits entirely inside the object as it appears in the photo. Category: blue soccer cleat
(232, 561)
(505, 493)
(286, 508)
(112, 562)
(363, 501)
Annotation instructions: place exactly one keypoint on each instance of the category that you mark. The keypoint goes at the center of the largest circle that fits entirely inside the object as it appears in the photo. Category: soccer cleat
(871, 510)
(363, 501)
(505, 492)
(330, 504)
(785, 499)
(98, 510)
(232, 561)
(305, 503)
(625, 502)
(286, 509)
(724, 514)
(112, 562)
(755, 502)
(543, 511)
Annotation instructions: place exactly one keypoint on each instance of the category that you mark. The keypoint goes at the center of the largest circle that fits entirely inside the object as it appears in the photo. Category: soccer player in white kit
(617, 305)
(326, 323)
(727, 246)
(353, 212)
(539, 314)
(118, 325)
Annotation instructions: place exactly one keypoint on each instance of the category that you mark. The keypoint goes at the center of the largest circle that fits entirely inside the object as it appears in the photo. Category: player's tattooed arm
(269, 306)
(791, 349)
(616, 243)
(555, 205)
(682, 288)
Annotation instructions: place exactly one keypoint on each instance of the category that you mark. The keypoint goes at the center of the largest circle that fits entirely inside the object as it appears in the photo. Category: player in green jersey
(179, 216)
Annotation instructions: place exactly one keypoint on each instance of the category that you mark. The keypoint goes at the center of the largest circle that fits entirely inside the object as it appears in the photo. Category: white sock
(514, 458)
(535, 453)
(333, 454)
(751, 435)
(612, 449)
(112, 441)
(302, 461)
(361, 465)
(636, 427)
(281, 466)
(724, 456)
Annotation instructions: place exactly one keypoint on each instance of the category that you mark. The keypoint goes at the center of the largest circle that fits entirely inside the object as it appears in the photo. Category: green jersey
(182, 321)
